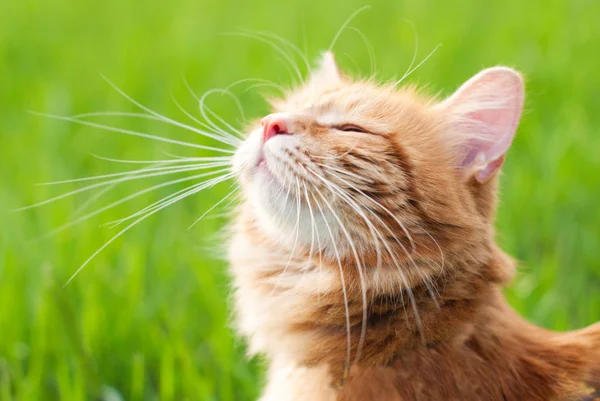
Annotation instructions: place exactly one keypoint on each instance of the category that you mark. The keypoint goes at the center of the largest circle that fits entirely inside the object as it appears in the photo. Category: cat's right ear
(484, 114)
(326, 73)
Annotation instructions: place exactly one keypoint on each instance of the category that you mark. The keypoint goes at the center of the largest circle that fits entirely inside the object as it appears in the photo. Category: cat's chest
(274, 292)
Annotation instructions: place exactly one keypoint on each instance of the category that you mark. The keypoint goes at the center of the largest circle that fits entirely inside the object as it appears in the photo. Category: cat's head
(349, 167)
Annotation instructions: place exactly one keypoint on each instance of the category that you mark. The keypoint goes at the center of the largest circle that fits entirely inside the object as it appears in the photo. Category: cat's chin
(286, 217)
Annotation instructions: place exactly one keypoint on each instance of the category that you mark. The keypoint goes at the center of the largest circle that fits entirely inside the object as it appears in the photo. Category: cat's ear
(326, 73)
(484, 113)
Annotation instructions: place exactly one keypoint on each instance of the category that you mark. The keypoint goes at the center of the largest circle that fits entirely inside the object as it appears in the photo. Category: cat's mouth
(262, 167)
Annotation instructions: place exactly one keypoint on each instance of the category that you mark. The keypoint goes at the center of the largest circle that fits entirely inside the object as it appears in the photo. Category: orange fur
(387, 236)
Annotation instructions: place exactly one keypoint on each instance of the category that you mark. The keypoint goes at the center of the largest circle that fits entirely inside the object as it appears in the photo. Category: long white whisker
(368, 46)
(426, 280)
(336, 189)
(179, 159)
(132, 133)
(123, 231)
(439, 248)
(344, 291)
(209, 183)
(360, 273)
(225, 136)
(314, 232)
(312, 223)
(415, 51)
(286, 42)
(144, 170)
(418, 65)
(144, 116)
(264, 82)
(277, 48)
(378, 204)
(76, 213)
(345, 25)
(101, 184)
(213, 207)
(227, 213)
(123, 200)
(204, 108)
(397, 264)
(378, 239)
(154, 113)
(221, 135)
(259, 85)
(296, 228)
(211, 124)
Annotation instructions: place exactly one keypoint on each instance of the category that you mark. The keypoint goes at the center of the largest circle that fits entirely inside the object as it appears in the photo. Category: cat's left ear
(484, 114)
(326, 73)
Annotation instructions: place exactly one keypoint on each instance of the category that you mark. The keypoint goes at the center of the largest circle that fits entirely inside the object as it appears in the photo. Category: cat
(363, 254)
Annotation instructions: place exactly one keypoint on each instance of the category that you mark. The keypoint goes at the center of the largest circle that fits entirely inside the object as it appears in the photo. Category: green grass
(148, 319)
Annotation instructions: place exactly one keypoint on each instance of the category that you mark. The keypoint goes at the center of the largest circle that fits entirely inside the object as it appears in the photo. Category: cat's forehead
(360, 102)
(341, 97)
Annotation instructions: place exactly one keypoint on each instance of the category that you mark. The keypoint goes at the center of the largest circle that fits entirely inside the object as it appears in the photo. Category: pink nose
(273, 125)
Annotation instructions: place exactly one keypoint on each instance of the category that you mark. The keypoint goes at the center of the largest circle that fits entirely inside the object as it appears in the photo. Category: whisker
(227, 137)
(210, 182)
(369, 47)
(406, 232)
(277, 48)
(179, 159)
(263, 82)
(418, 65)
(210, 123)
(231, 139)
(213, 207)
(154, 113)
(314, 232)
(103, 191)
(286, 42)
(415, 51)
(204, 108)
(296, 228)
(101, 184)
(312, 224)
(345, 24)
(260, 85)
(144, 170)
(227, 213)
(333, 156)
(123, 200)
(334, 188)
(93, 199)
(399, 268)
(132, 133)
(344, 291)
(426, 280)
(360, 273)
(356, 66)
(123, 231)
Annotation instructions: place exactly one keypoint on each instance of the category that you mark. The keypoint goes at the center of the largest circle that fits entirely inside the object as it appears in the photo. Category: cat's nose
(274, 124)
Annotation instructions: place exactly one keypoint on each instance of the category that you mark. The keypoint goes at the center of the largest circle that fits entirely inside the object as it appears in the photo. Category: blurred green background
(148, 319)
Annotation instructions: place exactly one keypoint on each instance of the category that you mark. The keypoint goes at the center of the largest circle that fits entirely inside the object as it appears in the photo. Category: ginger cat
(363, 255)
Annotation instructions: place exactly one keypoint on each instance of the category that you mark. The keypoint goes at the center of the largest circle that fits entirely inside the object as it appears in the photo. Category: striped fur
(383, 237)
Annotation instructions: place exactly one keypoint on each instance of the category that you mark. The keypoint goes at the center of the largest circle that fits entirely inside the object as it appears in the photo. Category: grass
(148, 318)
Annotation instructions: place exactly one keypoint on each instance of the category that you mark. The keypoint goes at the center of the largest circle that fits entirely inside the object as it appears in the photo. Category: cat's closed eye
(352, 128)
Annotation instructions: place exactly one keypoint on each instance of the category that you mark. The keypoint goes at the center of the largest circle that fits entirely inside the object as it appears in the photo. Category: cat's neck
(443, 309)
(290, 306)
(296, 315)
